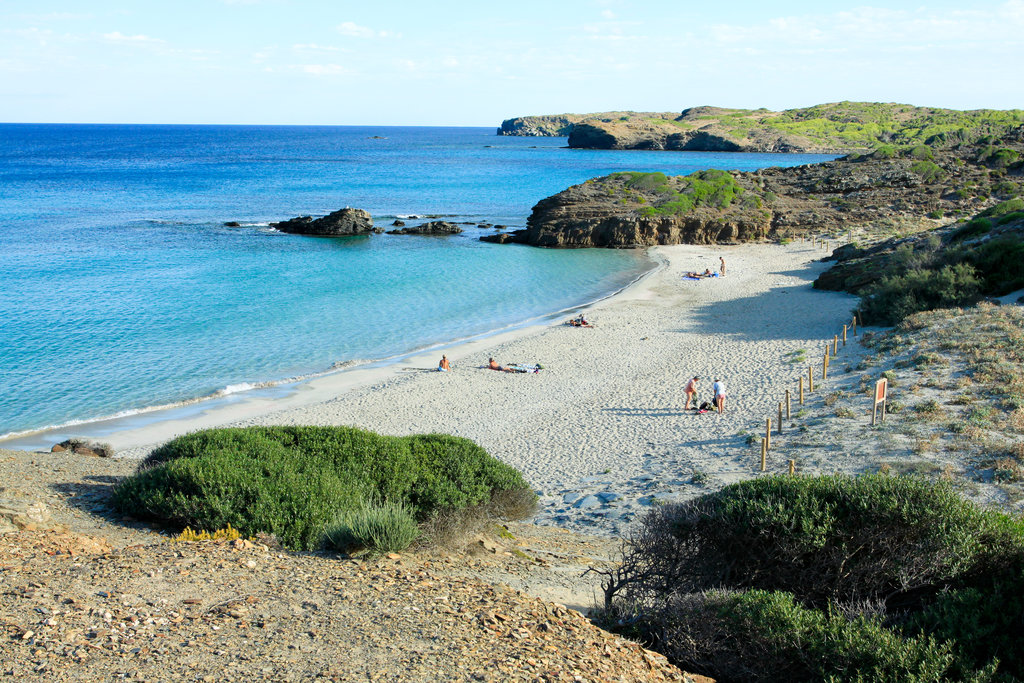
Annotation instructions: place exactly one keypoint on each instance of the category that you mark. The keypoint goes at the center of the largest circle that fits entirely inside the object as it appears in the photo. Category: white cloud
(322, 69)
(118, 37)
(313, 47)
(354, 30)
(450, 62)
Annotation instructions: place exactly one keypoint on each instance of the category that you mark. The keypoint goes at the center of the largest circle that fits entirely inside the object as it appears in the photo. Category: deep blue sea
(121, 288)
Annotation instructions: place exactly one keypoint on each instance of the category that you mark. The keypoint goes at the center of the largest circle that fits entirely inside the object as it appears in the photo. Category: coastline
(600, 432)
(132, 430)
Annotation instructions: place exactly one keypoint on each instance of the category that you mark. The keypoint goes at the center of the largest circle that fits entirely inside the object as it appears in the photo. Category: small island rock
(431, 228)
(343, 222)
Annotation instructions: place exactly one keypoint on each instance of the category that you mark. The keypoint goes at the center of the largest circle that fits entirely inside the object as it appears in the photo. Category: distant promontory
(839, 128)
(935, 175)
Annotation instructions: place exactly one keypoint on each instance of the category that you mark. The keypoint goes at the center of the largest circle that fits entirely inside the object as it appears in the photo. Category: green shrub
(929, 171)
(896, 297)
(826, 578)
(1002, 208)
(768, 636)
(824, 539)
(387, 527)
(292, 481)
(1000, 262)
(973, 228)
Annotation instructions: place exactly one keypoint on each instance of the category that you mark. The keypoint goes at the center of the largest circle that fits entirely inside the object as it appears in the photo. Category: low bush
(379, 527)
(826, 578)
(292, 481)
(768, 636)
(897, 296)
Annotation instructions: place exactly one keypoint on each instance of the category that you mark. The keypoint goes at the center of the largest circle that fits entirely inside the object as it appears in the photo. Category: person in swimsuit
(444, 365)
(719, 388)
(721, 269)
(690, 391)
(493, 365)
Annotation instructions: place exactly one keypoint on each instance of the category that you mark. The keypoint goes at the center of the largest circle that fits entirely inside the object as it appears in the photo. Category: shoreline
(208, 410)
(600, 432)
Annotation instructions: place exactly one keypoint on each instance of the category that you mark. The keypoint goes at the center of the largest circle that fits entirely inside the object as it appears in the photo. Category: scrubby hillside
(892, 189)
(954, 266)
(836, 127)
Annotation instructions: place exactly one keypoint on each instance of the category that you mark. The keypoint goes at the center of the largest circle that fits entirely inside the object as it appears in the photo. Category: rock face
(881, 191)
(338, 224)
(431, 228)
(539, 126)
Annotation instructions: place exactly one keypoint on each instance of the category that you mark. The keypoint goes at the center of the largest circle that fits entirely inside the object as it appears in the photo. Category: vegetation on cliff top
(826, 578)
(295, 482)
(680, 194)
(838, 126)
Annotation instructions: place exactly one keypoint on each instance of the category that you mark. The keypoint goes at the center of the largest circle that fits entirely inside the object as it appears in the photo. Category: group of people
(707, 271)
(579, 321)
(718, 389)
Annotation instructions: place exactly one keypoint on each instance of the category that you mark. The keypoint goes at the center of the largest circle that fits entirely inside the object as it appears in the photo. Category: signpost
(881, 393)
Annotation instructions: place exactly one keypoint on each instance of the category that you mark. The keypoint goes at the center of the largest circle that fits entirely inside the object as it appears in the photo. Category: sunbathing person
(493, 365)
(580, 321)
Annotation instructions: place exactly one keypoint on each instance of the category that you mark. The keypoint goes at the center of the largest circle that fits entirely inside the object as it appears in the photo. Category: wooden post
(824, 368)
(844, 335)
(801, 389)
(764, 454)
(792, 466)
(810, 379)
(835, 345)
(768, 434)
(780, 417)
(788, 416)
(855, 325)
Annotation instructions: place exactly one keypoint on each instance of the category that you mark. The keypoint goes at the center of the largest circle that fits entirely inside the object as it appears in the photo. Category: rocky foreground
(87, 596)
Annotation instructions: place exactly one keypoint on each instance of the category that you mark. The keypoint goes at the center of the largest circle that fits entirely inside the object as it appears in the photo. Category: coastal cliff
(839, 127)
(892, 188)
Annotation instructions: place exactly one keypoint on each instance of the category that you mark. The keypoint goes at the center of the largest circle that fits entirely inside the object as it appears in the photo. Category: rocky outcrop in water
(341, 223)
(431, 228)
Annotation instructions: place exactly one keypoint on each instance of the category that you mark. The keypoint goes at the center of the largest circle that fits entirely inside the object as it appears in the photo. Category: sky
(378, 62)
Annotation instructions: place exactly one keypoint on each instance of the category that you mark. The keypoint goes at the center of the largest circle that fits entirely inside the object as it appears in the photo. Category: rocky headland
(891, 188)
(340, 223)
(839, 127)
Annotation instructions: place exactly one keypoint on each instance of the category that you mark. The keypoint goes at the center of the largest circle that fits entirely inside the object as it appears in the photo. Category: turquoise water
(122, 289)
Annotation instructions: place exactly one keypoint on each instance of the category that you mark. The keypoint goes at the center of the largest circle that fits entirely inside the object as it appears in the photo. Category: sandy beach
(600, 431)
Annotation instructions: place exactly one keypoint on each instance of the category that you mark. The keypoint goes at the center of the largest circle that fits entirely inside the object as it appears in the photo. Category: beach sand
(600, 432)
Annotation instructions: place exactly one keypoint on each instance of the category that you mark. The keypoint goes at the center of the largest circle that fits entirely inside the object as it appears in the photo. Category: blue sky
(476, 63)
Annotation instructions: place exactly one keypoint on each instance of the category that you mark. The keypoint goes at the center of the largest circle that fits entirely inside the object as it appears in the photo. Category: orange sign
(881, 390)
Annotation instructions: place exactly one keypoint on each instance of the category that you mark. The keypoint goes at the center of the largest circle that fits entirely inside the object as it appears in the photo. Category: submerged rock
(431, 228)
(343, 222)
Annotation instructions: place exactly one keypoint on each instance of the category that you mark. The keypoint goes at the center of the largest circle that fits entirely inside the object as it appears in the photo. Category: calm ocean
(121, 289)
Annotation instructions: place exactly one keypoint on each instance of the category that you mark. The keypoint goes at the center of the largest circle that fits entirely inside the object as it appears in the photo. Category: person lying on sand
(580, 321)
(493, 365)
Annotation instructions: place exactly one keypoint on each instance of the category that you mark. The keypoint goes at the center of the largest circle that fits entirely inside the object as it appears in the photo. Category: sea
(122, 291)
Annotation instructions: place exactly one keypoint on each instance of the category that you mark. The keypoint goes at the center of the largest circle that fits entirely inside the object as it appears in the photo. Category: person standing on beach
(719, 388)
(721, 259)
(691, 392)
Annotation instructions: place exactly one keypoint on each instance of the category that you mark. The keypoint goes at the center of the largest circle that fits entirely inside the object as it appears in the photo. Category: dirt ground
(89, 595)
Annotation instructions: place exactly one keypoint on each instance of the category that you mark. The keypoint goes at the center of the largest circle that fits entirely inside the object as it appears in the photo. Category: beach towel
(518, 367)
(695, 279)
